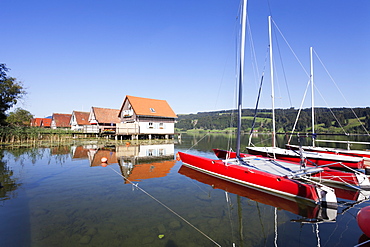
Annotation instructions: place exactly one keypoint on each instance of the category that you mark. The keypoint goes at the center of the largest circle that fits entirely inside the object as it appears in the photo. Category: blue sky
(72, 55)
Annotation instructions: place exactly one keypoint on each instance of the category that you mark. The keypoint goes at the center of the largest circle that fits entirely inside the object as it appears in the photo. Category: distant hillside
(336, 120)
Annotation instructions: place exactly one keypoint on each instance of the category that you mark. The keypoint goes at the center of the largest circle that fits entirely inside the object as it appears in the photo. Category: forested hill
(336, 120)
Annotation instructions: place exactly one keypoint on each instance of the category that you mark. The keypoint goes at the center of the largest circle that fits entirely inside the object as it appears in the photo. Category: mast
(241, 77)
(312, 99)
(272, 87)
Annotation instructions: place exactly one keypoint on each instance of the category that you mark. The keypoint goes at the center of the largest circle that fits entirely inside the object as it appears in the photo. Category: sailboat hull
(327, 175)
(319, 159)
(337, 151)
(247, 176)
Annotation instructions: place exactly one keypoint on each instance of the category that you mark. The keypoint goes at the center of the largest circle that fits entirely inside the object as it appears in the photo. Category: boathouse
(146, 119)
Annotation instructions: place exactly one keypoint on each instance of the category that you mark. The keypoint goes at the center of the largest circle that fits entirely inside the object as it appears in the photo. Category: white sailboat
(365, 154)
(317, 158)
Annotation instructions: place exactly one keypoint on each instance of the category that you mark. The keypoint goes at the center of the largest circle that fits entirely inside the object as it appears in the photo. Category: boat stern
(363, 181)
(327, 196)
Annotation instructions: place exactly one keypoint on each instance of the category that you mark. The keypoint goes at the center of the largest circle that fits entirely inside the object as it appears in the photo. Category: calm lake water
(62, 196)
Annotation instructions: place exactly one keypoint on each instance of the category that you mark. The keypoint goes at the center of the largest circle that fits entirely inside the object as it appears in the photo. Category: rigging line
(360, 244)
(317, 234)
(227, 61)
(276, 228)
(258, 98)
(169, 209)
(335, 117)
(332, 79)
(283, 68)
(197, 142)
(252, 51)
(299, 112)
(229, 207)
(291, 49)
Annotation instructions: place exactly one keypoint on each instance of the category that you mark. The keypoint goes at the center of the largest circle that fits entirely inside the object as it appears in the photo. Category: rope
(169, 209)
(196, 142)
(368, 241)
(340, 92)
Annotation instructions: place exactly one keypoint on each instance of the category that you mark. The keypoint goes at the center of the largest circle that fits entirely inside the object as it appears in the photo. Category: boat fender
(178, 157)
(363, 219)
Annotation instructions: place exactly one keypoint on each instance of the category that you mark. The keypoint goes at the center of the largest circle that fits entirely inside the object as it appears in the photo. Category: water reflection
(67, 199)
(311, 213)
(8, 183)
(136, 162)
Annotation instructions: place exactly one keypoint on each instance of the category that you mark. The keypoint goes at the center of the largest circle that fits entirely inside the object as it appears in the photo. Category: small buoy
(178, 157)
(363, 219)
(104, 160)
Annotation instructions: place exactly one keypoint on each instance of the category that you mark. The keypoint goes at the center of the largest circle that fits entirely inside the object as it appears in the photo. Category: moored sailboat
(365, 154)
(319, 159)
(356, 180)
(260, 174)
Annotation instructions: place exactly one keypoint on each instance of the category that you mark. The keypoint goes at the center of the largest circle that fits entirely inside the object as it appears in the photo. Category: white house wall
(156, 150)
(156, 128)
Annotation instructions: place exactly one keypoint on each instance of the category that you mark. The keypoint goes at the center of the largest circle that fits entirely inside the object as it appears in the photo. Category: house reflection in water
(141, 162)
(136, 162)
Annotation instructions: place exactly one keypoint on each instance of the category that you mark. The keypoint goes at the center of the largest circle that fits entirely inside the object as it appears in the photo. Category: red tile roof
(151, 170)
(46, 122)
(105, 115)
(62, 120)
(150, 107)
(82, 118)
(41, 122)
(80, 153)
(109, 154)
(36, 122)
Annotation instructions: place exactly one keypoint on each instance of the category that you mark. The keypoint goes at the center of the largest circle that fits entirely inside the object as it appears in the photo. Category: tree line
(335, 120)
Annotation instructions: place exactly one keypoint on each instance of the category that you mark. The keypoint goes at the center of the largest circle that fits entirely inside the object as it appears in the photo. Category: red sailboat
(253, 172)
(319, 159)
(355, 180)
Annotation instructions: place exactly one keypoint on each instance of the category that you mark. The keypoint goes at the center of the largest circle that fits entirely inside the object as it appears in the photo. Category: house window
(152, 110)
(161, 125)
(151, 126)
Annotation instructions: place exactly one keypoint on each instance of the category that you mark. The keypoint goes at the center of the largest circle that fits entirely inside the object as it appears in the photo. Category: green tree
(19, 117)
(10, 91)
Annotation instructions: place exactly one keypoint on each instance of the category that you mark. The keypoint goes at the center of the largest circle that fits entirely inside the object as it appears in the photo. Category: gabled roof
(46, 122)
(36, 122)
(62, 120)
(105, 115)
(110, 155)
(82, 118)
(149, 107)
(152, 170)
(41, 122)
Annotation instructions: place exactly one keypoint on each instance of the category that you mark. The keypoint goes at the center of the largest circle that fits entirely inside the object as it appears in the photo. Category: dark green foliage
(326, 120)
(10, 92)
(19, 117)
